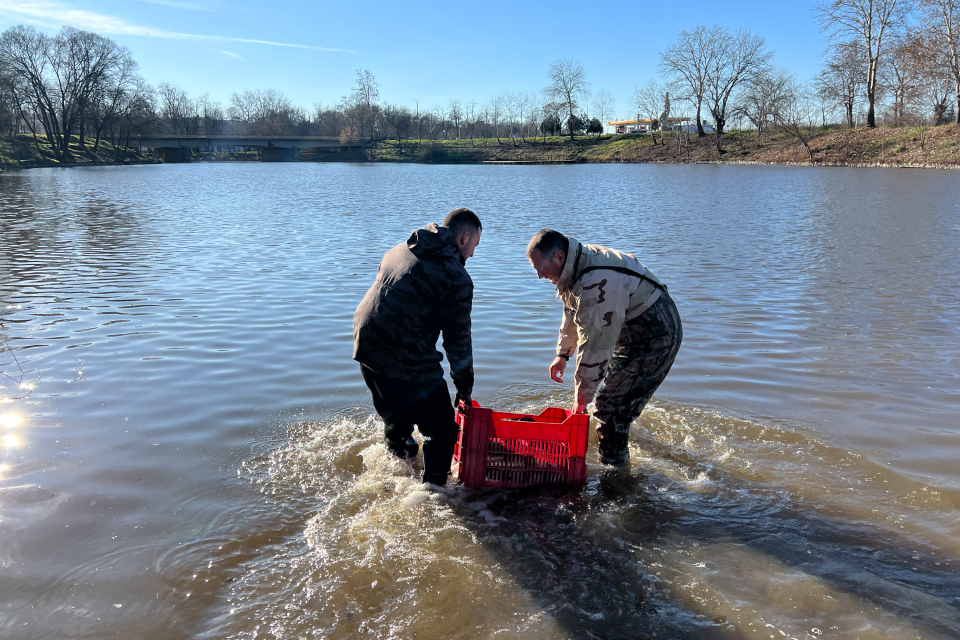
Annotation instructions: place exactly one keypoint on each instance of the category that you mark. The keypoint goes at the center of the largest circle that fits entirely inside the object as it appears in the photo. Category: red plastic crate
(502, 450)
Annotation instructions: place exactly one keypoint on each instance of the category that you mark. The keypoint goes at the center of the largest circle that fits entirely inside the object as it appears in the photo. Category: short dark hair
(548, 242)
(462, 219)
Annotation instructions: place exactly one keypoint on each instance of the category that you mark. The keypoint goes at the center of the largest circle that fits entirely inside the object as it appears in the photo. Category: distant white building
(644, 125)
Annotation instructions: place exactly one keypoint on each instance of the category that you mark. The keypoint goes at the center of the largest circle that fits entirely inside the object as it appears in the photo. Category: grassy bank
(22, 151)
(937, 147)
(888, 146)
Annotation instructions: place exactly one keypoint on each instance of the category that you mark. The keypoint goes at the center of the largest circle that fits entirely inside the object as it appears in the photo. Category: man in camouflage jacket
(623, 325)
(422, 290)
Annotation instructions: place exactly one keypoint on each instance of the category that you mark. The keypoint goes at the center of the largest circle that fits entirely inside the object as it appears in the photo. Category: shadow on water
(581, 578)
(592, 559)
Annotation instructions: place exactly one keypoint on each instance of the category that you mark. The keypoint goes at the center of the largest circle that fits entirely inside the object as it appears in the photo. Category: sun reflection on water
(11, 441)
(10, 420)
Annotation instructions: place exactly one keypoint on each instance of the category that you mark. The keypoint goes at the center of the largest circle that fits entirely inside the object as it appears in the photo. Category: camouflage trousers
(645, 351)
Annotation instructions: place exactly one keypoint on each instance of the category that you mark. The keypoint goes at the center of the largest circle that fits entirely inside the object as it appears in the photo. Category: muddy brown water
(189, 451)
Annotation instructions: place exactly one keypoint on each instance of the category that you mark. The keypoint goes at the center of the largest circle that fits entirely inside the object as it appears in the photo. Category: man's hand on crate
(579, 408)
(462, 404)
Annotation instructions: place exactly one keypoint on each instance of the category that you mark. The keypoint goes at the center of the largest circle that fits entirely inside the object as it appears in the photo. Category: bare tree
(844, 76)
(534, 115)
(439, 121)
(271, 113)
(870, 21)
(400, 119)
(942, 19)
(603, 104)
(904, 75)
(650, 101)
(138, 115)
(361, 105)
(9, 110)
(510, 114)
(212, 117)
(687, 62)
(936, 89)
(736, 59)
(243, 108)
(113, 95)
(521, 107)
(568, 85)
(455, 114)
(762, 98)
(496, 110)
(824, 101)
(57, 77)
(797, 114)
(176, 109)
(471, 119)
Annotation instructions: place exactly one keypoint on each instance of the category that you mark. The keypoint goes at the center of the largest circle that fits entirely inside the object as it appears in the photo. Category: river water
(188, 450)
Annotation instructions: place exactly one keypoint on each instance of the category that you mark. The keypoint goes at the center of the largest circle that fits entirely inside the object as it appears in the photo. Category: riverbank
(22, 152)
(908, 147)
(934, 147)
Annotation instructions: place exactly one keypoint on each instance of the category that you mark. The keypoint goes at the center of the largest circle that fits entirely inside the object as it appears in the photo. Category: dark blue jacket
(422, 290)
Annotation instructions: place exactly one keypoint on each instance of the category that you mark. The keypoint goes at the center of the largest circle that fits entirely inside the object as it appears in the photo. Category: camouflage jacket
(422, 290)
(600, 290)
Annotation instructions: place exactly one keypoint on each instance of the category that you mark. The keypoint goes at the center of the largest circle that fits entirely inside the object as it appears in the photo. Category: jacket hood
(434, 242)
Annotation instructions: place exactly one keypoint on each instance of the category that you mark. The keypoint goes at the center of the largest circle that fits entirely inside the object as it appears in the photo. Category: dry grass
(886, 146)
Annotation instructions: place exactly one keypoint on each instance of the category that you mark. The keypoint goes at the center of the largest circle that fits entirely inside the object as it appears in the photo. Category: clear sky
(430, 51)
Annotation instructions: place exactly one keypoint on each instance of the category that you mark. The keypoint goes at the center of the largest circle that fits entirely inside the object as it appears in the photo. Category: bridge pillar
(279, 154)
(168, 155)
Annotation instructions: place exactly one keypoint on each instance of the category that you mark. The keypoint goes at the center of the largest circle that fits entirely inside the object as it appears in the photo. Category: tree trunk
(700, 132)
(96, 142)
(719, 124)
(126, 145)
(957, 121)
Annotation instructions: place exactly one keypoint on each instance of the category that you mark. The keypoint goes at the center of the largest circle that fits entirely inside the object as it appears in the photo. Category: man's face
(549, 268)
(468, 242)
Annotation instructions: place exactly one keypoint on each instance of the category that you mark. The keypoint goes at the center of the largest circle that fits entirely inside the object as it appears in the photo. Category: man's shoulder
(456, 277)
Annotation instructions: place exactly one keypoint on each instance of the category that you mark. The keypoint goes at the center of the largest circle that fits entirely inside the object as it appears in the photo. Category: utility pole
(419, 134)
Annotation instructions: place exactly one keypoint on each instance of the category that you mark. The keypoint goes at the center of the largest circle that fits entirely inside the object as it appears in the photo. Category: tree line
(891, 62)
(894, 62)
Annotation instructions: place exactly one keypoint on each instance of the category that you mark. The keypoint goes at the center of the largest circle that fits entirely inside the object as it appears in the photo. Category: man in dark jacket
(422, 290)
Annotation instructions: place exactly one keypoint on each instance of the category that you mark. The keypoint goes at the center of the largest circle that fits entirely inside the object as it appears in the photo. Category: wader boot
(645, 351)
(407, 449)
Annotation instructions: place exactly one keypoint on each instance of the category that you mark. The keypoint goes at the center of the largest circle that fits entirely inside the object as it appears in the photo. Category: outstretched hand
(557, 368)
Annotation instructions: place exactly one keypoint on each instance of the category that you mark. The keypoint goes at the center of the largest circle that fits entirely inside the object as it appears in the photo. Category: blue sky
(430, 51)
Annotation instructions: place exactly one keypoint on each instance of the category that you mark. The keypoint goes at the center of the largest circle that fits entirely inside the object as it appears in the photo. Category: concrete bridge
(169, 148)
